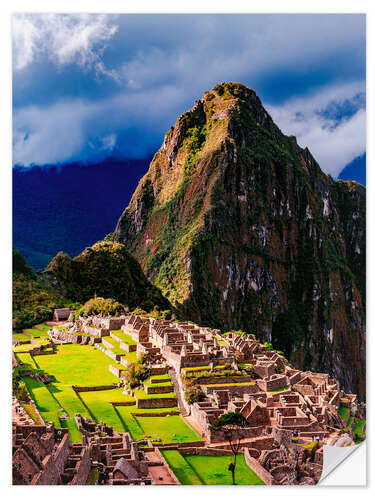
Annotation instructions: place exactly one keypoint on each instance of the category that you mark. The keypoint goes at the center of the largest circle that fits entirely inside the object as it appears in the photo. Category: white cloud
(332, 146)
(62, 38)
(48, 135)
(109, 142)
(75, 129)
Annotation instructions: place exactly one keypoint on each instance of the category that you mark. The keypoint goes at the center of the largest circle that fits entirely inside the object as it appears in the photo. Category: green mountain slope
(107, 270)
(240, 228)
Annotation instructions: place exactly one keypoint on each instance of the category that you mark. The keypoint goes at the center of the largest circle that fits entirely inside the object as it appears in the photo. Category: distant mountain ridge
(355, 170)
(240, 228)
(69, 207)
(50, 203)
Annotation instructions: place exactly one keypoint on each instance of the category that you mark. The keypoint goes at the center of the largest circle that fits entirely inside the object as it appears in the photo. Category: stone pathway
(176, 386)
(159, 473)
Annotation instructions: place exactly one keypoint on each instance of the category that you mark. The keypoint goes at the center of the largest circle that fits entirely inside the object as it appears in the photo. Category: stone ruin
(290, 413)
(43, 455)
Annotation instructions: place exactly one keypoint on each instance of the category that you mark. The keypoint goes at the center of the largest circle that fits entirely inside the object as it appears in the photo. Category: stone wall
(155, 414)
(161, 389)
(157, 403)
(83, 469)
(84, 388)
(260, 471)
(240, 390)
(116, 371)
(208, 452)
(224, 380)
(273, 383)
(248, 432)
(53, 465)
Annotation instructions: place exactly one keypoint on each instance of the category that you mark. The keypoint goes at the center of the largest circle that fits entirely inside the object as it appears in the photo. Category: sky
(91, 86)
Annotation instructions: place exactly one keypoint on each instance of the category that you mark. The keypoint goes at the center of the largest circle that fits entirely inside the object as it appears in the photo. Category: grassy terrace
(358, 430)
(97, 405)
(26, 359)
(172, 429)
(84, 365)
(195, 469)
(21, 336)
(343, 412)
(71, 365)
(165, 377)
(199, 368)
(229, 384)
(158, 384)
(24, 348)
(31, 412)
(243, 366)
(140, 394)
(182, 469)
(280, 389)
(43, 326)
(36, 333)
(124, 337)
(130, 356)
(349, 423)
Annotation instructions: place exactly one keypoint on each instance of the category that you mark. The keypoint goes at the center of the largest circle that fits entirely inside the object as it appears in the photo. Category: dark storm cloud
(89, 86)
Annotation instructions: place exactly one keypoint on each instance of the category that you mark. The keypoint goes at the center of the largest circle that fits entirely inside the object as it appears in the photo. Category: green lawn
(349, 423)
(75, 364)
(43, 326)
(358, 429)
(124, 337)
(170, 429)
(229, 384)
(214, 470)
(23, 348)
(34, 332)
(131, 424)
(48, 407)
(160, 378)
(184, 473)
(116, 349)
(26, 359)
(21, 336)
(140, 394)
(195, 469)
(71, 365)
(130, 356)
(343, 412)
(280, 389)
(31, 412)
(100, 410)
(163, 383)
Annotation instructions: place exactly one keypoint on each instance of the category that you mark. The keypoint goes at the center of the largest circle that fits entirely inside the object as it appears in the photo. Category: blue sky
(90, 86)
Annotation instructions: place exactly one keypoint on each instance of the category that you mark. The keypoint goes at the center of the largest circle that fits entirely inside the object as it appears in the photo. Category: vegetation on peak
(32, 302)
(108, 270)
(21, 267)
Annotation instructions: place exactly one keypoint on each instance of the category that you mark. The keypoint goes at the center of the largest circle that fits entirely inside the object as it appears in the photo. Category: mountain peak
(239, 228)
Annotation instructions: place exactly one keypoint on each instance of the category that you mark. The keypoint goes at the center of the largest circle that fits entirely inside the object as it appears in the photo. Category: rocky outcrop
(240, 228)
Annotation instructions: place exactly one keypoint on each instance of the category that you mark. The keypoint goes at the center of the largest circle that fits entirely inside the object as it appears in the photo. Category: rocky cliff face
(240, 228)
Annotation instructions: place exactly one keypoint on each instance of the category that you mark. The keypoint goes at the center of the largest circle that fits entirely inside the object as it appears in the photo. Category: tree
(231, 424)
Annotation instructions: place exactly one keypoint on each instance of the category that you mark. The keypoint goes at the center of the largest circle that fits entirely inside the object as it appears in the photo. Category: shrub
(193, 395)
(136, 373)
(219, 89)
(100, 306)
(20, 390)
